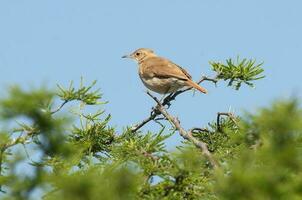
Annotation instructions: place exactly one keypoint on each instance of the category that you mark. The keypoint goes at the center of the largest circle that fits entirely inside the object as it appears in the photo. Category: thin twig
(228, 114)
(15, 141)
(59, 108)
(196, 129)
(140, 125)
(205, 78)
(186, 135)
(157, 120)
(27, 154)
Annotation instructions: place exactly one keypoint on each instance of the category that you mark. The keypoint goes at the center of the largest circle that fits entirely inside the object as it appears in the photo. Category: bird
(160, 74)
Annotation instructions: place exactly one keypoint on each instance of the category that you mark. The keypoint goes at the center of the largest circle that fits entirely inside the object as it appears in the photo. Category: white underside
(163, 85)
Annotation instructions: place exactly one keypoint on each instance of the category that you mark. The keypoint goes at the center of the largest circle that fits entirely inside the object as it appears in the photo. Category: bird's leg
(162, 101)
(162, 98)
(154, 109)
(166, 97)
(166, 101)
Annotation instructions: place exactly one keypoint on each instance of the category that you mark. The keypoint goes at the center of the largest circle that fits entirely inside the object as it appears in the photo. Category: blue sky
(56, 41)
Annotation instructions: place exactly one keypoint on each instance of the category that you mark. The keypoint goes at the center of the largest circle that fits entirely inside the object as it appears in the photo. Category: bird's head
(140, 54)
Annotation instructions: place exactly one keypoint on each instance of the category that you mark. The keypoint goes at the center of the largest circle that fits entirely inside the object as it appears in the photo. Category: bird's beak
(126, 56)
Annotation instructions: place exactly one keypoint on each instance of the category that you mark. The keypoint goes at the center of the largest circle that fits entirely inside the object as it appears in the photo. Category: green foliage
(238, 72)
(23, 103)
(83, 94)
(82, 157)
(96, 183)
(271, 169)
(94, 135)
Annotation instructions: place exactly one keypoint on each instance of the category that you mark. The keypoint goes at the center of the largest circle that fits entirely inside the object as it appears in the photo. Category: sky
(56, 41)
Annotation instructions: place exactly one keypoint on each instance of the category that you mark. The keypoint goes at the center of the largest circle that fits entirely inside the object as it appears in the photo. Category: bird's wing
(163, 68)
(184, 71)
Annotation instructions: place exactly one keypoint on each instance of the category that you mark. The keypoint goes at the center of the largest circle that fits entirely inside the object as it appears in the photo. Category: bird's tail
(196, 86)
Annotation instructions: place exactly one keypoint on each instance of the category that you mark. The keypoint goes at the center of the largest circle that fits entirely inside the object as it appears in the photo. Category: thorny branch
(185, 134)
(167, 102)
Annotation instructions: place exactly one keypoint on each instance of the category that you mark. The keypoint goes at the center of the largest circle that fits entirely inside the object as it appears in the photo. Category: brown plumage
(161, 75)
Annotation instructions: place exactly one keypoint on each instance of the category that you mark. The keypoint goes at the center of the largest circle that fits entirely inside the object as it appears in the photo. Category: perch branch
(186, 135)
(167, 102)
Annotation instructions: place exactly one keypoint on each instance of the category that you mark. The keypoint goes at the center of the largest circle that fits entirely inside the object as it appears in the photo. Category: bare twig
(186, 135)
(196, 129)
(205, 78)
(157, 120)
(59, 108)
(228, 114)
(140, 125)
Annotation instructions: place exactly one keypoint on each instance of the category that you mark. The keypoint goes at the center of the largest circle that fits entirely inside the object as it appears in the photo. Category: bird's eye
(137, 54)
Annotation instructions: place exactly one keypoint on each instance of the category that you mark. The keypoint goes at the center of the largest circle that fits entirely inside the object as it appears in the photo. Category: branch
(172, 96)
(167, 102)
(205, 78)
(186, 135)
(22, 139)
(228, 114)
(192, 130)
(59, 108)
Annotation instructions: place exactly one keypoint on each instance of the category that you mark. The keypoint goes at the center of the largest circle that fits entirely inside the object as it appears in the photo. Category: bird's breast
(159, 84)
(163, 85)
